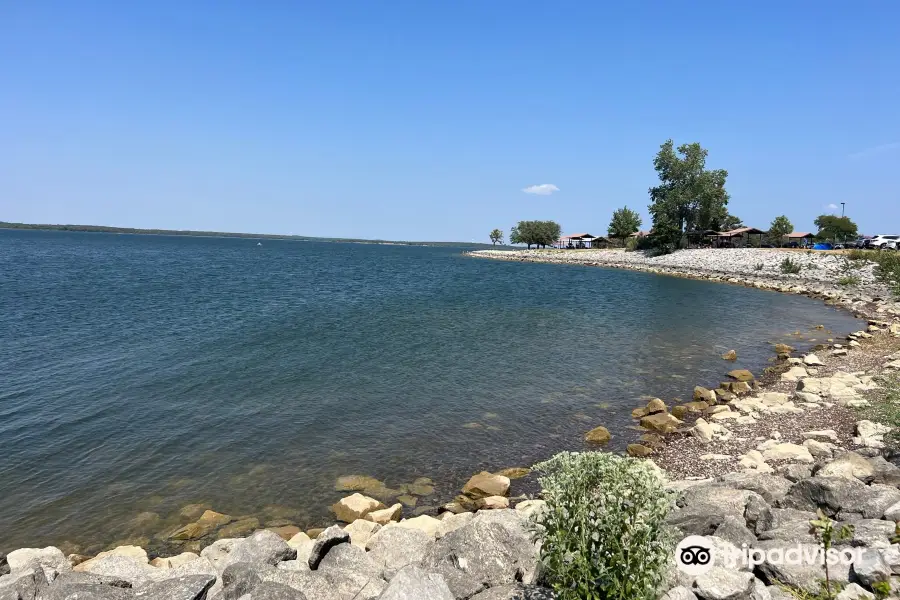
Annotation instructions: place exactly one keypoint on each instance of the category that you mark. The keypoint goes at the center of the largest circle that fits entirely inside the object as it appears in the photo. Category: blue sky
(425, 120)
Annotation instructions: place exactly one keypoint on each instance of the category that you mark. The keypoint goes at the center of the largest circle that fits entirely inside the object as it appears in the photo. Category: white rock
(360, 531)
(812, 360)
(788, 451)
(819, 449)
(425, 523)
(822, 435)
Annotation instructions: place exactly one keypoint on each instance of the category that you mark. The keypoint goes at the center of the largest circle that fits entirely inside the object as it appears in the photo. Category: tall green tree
(496, 237)
(537, 233)
(836, 228)
(728, 223)
(624, 222)
(689, 196)
(780, 227)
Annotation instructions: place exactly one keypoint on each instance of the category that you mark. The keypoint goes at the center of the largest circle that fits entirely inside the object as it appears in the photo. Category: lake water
(139, 374)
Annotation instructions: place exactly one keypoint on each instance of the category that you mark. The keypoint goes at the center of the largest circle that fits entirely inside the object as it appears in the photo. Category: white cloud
(544, 189)
(875, 150)
(831, 207)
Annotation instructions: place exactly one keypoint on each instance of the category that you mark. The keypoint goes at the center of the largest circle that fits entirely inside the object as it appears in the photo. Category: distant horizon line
(232, 234)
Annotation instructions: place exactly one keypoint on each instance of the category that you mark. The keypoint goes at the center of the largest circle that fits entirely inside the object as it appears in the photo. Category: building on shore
(582, 240)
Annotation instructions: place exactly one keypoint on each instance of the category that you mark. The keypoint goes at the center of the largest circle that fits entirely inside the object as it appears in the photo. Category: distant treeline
(265, 236)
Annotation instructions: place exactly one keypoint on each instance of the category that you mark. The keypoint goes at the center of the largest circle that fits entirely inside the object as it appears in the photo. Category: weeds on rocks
(788, 266)
(759, 267)
(603, 532)
(827, 534)
(888, 270)
(848, 280)
(887, 266)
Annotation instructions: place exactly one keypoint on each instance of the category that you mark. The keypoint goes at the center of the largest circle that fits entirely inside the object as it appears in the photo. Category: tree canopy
(538, 233)
(780, 227)
(832, 227)
(689, 196)
(624, 222)
(729, 223)
(496, 237)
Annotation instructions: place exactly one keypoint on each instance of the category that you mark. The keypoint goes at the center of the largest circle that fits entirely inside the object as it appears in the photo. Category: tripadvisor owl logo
(694, 555)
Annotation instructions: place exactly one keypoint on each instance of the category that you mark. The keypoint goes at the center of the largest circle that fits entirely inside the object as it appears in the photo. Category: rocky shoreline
(751, 462)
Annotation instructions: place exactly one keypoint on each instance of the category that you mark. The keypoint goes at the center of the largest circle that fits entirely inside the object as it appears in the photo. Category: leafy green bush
(848, 280)
(631, 244)
(789, 266)
(857, 254)
(603, 534)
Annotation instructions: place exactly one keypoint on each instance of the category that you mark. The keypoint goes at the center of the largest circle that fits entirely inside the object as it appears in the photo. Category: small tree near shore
(624, 222)
(537, 233)
(496, 237)
(779, 228)
(831, 227)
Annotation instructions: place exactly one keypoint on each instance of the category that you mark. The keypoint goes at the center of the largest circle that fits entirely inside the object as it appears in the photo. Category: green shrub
(603, 534)
(631, 244)
(789, 266)
(888, 270)
(847, 280)
(856, 254)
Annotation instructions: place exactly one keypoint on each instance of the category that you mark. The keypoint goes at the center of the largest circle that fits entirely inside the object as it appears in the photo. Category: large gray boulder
(312, 584)
(84, 591)
(836, 494)
(515, 591)
(771, 487)
(871, 568)
(325, 541)
(126, 568)
(239, 579)
(735, 531)
(720, 583)
(187, 587)
(50, 559)
(352, 573)
(489, 551)
(273, 591)
(872, 533)
(263, 547)
(788, 524)
(804, 576)
(218, 553)
(24, 583)
(393, 548)
(412, 583)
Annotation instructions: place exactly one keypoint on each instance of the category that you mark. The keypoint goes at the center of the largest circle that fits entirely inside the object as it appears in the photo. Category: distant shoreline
(225, 234)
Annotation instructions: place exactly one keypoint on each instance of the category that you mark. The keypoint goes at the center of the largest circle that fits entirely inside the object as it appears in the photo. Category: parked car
(884, 242)
(823, 246)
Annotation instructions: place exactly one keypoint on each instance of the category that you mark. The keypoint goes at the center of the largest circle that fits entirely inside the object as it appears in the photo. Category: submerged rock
(661, 422)
(597, 435)
(741, 375)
